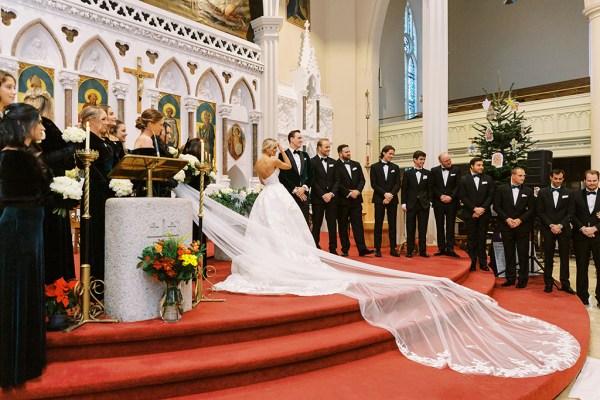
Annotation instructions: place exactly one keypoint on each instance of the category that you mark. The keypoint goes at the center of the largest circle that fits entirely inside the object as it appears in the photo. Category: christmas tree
(504, 141)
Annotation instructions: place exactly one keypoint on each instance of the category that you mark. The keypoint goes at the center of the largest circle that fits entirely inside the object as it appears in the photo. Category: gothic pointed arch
(210, 74)
(242, 82)
(237, 177)
(37, 31)
(100, 44)
(165, 69)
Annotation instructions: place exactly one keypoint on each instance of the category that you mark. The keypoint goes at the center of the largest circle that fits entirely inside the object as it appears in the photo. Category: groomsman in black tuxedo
(476, 192)
(444, 179)
(555, 207)
(351, 183)
(586, 238)
(515, 205)
(299, 178)
(416, 200)
(323, 194)
(385, 181)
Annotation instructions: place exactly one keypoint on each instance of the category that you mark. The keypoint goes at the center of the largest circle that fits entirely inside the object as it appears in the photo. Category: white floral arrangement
(74, 134)
(173, 151)
(192, 161)
(180, 176)
(239, 200)
(71, 190)
(74, 173)
(212, 175)
(121, 187)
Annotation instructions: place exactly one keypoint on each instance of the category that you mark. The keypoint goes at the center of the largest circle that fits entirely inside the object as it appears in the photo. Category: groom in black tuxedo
(323, 196)
(299, 178)
(351, 183)
(444, 185)
(385, 181)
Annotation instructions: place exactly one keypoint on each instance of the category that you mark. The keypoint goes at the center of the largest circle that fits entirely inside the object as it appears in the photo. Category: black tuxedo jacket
(381, 186)
(292, 178)
(416, 193)
(472, 197)
(324, 182)
(506, 208)
(561, 214)
(347, 183)
(583, 217)
(449, 189)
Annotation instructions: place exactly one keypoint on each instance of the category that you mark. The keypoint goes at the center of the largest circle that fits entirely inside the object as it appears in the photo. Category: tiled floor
(593, 310)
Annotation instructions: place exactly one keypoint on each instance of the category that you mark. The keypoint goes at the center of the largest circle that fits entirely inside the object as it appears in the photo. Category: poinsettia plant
(60, 297)
(168, 260)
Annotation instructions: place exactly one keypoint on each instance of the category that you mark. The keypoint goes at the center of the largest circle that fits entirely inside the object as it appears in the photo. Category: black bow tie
(590, 193)
(296, 152)
(324, 159)
(385, 164)
(515, 186)
(552, 190)
(346, 162)
(418, 170)
(445, 169)
(476, 175)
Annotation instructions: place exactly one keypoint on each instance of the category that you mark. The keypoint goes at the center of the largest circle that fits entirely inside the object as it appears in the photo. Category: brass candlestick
(199, 295)
(84, 287)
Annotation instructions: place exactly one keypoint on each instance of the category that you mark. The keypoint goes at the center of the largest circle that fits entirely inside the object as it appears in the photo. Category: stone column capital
(10, 65)
(255, 117)
(267, 27)
(68, 79)
(190, 104)
(120, 89)
(224, 110)
(591, 9)
(154, 96)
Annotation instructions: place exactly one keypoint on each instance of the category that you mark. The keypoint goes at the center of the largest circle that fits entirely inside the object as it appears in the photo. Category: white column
(435, 79)
(592, 12)
(266, 30)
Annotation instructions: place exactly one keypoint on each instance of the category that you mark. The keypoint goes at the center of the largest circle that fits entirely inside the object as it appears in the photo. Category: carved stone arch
(102, 43)
(244, 82)
(166, 65)
(204, 75)
(46, 28)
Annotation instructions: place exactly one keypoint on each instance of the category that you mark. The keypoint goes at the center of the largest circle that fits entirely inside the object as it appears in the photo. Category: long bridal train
(435, 321)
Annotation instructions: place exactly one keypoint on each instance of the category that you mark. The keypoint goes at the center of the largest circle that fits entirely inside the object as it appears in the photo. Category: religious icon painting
(236, 141)
(489, 134)
(91, 92)
(36, 87)
(206, 128)
(298, 12)
(498, 160)
(169, 106)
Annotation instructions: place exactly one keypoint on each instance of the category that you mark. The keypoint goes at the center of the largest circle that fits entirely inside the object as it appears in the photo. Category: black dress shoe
(484, 267)
(344, 254)
(424, 255)
(394, 253)
(439, 253)
(508, 283)
(569, 290)
(377, 253)
(473, 265)
(548, 288)
(521, 285)
(366, 252)
(334, 252)
(452, 253)
(409, 255)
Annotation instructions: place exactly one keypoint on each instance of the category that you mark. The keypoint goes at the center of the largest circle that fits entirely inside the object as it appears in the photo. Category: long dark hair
(16, 124)
(193, 147)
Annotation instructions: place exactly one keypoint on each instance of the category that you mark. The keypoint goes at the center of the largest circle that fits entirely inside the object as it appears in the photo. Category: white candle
(87, 135)
(202, 151)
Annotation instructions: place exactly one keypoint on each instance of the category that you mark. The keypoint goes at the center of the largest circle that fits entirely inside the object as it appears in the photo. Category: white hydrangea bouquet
(74, 134)
(69, 189)
(173, 151)
(238, 200)
(121, 187)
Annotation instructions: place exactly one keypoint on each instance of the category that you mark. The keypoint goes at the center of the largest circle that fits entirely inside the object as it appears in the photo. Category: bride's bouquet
(121, 187)
(70, 189)
(173, 151)
(74, 134)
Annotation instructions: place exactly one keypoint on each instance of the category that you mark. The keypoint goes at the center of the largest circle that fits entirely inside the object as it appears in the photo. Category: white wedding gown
(435, 321)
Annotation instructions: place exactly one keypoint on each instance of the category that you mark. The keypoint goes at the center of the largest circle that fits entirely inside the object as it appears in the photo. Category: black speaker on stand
(538, 168)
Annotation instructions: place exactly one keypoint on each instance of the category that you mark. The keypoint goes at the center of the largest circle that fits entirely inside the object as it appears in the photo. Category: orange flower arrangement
(60, 297)
(170, 261)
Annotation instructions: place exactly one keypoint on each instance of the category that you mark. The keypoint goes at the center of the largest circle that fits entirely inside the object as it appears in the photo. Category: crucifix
(140, 76)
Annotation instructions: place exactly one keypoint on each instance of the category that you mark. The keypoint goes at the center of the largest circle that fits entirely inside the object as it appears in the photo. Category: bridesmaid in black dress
(119, 132)
(99, 190)
(109, 137)
(22, 300)
(57, 155)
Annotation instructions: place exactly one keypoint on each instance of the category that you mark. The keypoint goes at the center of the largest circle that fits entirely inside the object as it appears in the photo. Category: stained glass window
(410, 63)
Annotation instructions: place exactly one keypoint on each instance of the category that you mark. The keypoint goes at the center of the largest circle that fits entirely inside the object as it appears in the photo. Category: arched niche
(209, 87)
(171, 78)
(242, 95)
(36, 44)
(237, 177)
(95, 59)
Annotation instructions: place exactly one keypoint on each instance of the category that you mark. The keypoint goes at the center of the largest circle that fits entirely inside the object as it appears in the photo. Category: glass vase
(171, 302)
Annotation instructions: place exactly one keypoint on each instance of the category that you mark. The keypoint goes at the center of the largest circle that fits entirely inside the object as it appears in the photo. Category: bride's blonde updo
(268, 144)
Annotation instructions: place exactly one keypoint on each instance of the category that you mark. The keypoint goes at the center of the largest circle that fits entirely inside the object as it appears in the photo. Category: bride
(434, 321)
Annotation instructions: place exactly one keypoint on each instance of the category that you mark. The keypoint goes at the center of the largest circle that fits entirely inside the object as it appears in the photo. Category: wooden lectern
(149, 168)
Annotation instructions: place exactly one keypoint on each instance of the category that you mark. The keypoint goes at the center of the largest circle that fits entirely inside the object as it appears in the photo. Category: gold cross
(140, 76)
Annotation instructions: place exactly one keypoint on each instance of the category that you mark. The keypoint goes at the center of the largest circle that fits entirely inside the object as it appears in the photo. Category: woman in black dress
(119, 132)
(22, 300)
(99, 190)
(109, 137)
